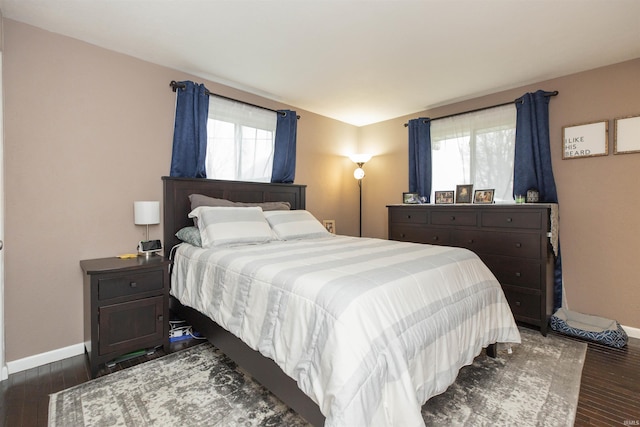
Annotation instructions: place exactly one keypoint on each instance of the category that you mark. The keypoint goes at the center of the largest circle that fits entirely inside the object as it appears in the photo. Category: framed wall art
(330, 225)
(463, 193)
(586, 140)
(444, 197)
(626, 135)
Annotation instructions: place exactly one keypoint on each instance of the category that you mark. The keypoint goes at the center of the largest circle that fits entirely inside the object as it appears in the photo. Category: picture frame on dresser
(444, 197)
(483, 196)
(410, 198)
(464, 193)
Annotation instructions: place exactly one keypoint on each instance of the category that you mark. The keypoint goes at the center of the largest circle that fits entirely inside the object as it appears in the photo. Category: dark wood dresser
(512, 240)
(126, 307)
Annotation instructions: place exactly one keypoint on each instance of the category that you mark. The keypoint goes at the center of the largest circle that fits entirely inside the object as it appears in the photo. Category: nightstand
(126, 307)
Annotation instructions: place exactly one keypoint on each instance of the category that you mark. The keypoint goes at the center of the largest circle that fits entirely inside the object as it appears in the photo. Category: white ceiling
(358, 61)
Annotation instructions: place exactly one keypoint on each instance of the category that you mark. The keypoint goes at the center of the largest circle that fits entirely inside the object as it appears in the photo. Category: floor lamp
(360, 160)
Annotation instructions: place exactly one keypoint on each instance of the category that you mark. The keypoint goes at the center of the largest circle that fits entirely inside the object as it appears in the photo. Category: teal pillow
(190, 235)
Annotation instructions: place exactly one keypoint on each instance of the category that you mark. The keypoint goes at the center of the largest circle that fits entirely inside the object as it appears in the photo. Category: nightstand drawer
(512, 219)
(130, 284)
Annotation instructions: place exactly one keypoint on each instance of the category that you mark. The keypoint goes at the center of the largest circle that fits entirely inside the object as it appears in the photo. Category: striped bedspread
(370, 329)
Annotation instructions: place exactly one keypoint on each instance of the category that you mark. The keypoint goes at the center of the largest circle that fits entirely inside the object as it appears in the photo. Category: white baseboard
(44, 358)
(76, 349)
(631, 332)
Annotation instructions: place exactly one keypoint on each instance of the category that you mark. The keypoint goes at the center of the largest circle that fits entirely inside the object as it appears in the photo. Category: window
(240, 141)
(475, 148)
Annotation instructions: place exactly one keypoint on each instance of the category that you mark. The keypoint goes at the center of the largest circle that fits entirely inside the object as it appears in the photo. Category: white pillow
(295, 224)
(223, 226)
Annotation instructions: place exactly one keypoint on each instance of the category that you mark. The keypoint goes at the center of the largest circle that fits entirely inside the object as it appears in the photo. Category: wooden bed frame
(264, 370)
(176, 207)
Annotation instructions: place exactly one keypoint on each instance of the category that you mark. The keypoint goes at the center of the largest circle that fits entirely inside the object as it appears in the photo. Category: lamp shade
(146, 213)
(360, 158)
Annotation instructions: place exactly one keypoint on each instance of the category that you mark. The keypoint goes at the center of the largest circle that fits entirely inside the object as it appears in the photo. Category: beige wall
(88, 131)
(598, 196)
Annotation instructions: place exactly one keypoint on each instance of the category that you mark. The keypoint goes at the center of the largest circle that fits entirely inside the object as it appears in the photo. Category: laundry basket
(593, 328)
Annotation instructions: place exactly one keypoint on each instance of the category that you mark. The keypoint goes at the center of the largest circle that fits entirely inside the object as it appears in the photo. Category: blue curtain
(190, 131)
(532, 162)
(420, 157)
(284, 157)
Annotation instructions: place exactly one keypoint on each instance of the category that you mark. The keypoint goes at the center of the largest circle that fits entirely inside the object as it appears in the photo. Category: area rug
(536, 384)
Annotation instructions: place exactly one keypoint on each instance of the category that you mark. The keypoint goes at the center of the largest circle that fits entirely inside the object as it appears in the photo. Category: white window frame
(240, 141)
(463, 136)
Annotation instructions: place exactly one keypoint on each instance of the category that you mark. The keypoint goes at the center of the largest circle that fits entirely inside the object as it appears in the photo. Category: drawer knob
(402, 235)
(133, 284)
(408, 216)
(160, 318)
(470, 241)
(435, 238)
(509, 219)
(518, 274)
(453, 218)
(518, 245)
(518, 303)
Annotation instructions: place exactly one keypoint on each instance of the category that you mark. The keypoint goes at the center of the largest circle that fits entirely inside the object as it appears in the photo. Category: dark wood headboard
(177, 205)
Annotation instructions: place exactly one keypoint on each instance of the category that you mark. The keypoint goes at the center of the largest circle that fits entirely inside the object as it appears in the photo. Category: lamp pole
(360, 204)
(360, 160)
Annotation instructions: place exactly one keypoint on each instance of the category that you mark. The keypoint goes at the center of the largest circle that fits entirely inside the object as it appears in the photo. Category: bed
(322, 319)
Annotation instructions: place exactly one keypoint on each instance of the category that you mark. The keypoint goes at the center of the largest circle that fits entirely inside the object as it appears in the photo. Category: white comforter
(370, 329)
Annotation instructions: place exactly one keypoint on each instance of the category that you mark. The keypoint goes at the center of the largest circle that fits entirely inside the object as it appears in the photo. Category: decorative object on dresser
(444, 197)
(126, 307)
(483, 196)
(464, 193)
(515, 242)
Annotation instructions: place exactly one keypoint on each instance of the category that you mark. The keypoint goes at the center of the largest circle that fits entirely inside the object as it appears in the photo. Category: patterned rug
(535, 385)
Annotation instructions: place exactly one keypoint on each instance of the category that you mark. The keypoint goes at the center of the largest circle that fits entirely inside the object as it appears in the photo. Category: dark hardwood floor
(609, 392)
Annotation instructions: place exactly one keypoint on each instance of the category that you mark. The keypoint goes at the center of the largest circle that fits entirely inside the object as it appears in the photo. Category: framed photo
(444, 197)
(411, 198)
(587, 140)
(463, 193)
(627, 135)
(330, 225)
(483, 196)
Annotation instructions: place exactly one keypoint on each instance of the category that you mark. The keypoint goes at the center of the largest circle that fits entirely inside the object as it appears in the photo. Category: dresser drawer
(430, 235)
(130, 284)
(523, 304)
(454, 217)
(515, 271)
(524, 245)
(408, 215)
(512, 219)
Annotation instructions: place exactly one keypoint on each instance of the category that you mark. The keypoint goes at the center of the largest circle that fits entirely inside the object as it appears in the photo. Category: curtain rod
(175, 86)
(554, 93)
